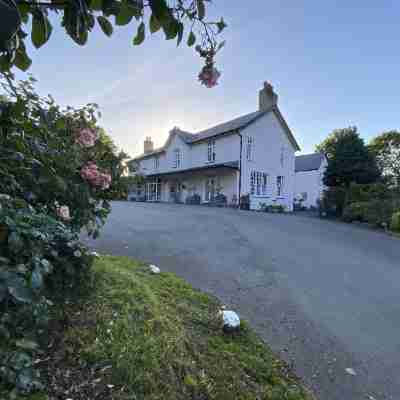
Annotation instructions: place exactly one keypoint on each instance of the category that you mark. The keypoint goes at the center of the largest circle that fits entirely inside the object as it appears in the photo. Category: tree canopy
(349, 159)
(78, 18)
(386, 148)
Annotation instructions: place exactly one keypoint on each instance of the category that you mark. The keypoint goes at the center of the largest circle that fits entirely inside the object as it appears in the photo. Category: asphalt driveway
(324, 295)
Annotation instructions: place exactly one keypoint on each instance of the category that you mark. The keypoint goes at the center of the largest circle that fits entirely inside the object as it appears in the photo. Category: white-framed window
(177, 158)
(249, 148)
(156, 163)
(211, 150)
(279, 185)
(258, 183)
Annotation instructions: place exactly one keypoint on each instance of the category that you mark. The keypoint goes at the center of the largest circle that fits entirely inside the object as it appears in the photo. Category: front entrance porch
(201, 185)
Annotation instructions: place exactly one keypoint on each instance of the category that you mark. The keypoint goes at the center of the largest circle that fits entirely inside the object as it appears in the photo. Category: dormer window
(211, 151)
(177, 158)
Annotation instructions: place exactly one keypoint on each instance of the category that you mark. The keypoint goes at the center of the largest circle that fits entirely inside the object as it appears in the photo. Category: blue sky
(333, 64)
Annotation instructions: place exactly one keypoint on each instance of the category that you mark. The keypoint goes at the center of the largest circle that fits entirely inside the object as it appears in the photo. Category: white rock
(154, 269)
(95, 254)
(350, 371)
(231, 320)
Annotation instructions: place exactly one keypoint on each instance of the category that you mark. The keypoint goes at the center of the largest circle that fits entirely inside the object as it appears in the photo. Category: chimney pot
(148, 145)
(267, 98)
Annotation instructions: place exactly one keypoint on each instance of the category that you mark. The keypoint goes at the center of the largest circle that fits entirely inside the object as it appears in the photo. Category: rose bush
(54, 181)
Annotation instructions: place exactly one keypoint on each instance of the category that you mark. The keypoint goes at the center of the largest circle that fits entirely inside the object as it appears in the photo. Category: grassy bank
(144, 336)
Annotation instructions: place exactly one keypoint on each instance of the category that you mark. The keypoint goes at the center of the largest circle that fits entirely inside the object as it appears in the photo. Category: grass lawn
(144, 336)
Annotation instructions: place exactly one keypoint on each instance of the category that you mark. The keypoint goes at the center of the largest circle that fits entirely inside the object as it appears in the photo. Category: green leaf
(125, 15)
(201, 9)
(171, 29)
(105, 25)
(41, 29)
(221, 25)
(165, 17)
(26, 344)
(180, 33)
(5, 63)
(24, 10)
(154, 24)
(96, 5)
(191, 39)
(140, 35)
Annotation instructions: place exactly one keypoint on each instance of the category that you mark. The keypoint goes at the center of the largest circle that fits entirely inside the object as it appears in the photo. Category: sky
(333, 65)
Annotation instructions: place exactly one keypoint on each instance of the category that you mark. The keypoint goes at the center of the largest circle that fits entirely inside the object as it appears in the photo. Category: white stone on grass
(231, 320)
(154, 269)
(351, 371)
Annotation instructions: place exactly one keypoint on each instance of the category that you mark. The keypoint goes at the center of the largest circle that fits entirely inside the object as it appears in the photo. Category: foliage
(40, 259)
(349, 159)
(45, 201)
(395, 222)
(155, 337)
(332, 202)
(78, 18)
(359, 193)
(375, 212)
(355, 212)
(386, 148)
(41, 160)
(193, 199)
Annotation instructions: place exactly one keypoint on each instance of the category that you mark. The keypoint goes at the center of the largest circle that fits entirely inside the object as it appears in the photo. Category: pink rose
(91, 173)
(63, 213)
(209, 76)
(86, 137)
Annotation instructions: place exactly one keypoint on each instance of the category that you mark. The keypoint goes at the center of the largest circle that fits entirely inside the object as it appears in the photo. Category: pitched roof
(229, 126)
(224, 128)
(308, 162)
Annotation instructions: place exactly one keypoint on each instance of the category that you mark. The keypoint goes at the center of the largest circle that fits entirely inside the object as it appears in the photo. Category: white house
(309, 186)
(253, 154)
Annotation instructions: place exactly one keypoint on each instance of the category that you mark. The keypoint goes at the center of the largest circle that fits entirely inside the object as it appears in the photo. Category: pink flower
(86, 137)
(91, 173)
(209, 76)
(63, 213)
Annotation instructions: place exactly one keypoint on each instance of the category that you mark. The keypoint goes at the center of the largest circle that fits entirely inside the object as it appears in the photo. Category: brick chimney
(267, 97)
(148, 145)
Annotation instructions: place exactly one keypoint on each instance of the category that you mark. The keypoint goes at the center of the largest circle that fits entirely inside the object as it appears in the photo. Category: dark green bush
(375, 212)
(332, 202)
(41, 261)
(355, 212)
(359, 193)
(395, 222)
(379, 212)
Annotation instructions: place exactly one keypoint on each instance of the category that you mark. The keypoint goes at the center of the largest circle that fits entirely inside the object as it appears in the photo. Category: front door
(153, 190)
(175, 191)
(211, 184)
